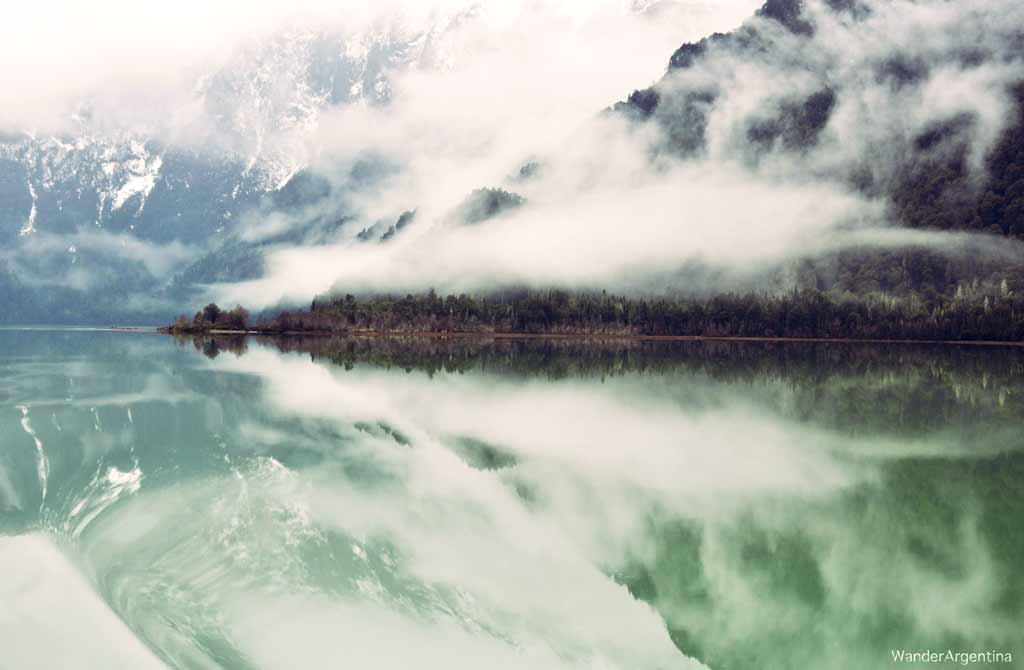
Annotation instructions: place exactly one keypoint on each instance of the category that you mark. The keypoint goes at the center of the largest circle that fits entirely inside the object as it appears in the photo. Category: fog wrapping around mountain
(466, 148)
(815, 129)
(138, 145)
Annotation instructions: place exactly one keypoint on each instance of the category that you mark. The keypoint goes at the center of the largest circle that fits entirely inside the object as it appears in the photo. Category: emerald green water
(528, 504)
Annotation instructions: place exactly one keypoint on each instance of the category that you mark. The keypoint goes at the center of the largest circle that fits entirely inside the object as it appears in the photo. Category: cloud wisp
(611, 206)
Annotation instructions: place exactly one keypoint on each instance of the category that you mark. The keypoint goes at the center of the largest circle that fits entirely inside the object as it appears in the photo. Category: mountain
(923, 164)
(104, 209)
(915, 105)
(72, 202)
(834, 92)
(914, 108)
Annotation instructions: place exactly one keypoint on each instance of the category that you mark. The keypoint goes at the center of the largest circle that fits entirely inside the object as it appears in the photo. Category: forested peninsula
(973, 313)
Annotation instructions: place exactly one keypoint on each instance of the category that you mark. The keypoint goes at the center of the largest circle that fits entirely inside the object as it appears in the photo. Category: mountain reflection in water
(420, 502)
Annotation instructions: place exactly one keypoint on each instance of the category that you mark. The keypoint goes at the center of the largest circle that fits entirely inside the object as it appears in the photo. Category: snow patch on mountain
(30, 224)
(140, 180)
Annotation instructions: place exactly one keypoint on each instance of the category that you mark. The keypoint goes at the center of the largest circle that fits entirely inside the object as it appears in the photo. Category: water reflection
(524, 503)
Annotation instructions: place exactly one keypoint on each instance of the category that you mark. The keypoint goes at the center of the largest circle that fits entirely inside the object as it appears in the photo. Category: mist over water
(504, 504)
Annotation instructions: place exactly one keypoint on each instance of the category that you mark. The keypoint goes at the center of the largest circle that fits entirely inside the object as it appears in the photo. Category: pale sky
(58, 51)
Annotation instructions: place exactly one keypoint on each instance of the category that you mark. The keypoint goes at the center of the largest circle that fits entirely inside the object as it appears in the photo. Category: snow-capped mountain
(239, 134)
(244, 132)
(244, 136)
(254, 115)
(86, 208)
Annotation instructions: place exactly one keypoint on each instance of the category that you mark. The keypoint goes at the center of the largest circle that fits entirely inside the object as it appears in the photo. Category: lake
(457, 504)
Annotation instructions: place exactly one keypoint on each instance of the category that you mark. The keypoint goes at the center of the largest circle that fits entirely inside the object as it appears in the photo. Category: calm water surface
(421, 504)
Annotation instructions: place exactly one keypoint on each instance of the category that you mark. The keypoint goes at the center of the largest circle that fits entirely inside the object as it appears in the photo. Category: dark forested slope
(927, 177)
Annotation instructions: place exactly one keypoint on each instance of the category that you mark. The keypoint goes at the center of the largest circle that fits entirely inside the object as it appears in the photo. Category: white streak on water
(103, 491)
(42, 465)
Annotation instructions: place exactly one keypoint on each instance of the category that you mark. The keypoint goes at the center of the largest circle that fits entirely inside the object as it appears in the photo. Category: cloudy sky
(67, 50)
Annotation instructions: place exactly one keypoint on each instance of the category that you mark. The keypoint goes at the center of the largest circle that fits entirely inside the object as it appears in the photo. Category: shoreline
(578, 336)
(90, 329)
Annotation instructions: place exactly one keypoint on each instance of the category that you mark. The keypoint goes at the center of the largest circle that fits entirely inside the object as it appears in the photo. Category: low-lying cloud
(594, 238)
(611, 207)
(83, 260)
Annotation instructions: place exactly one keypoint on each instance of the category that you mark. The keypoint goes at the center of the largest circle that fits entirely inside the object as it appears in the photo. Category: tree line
(210, 318)
(974, 312)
